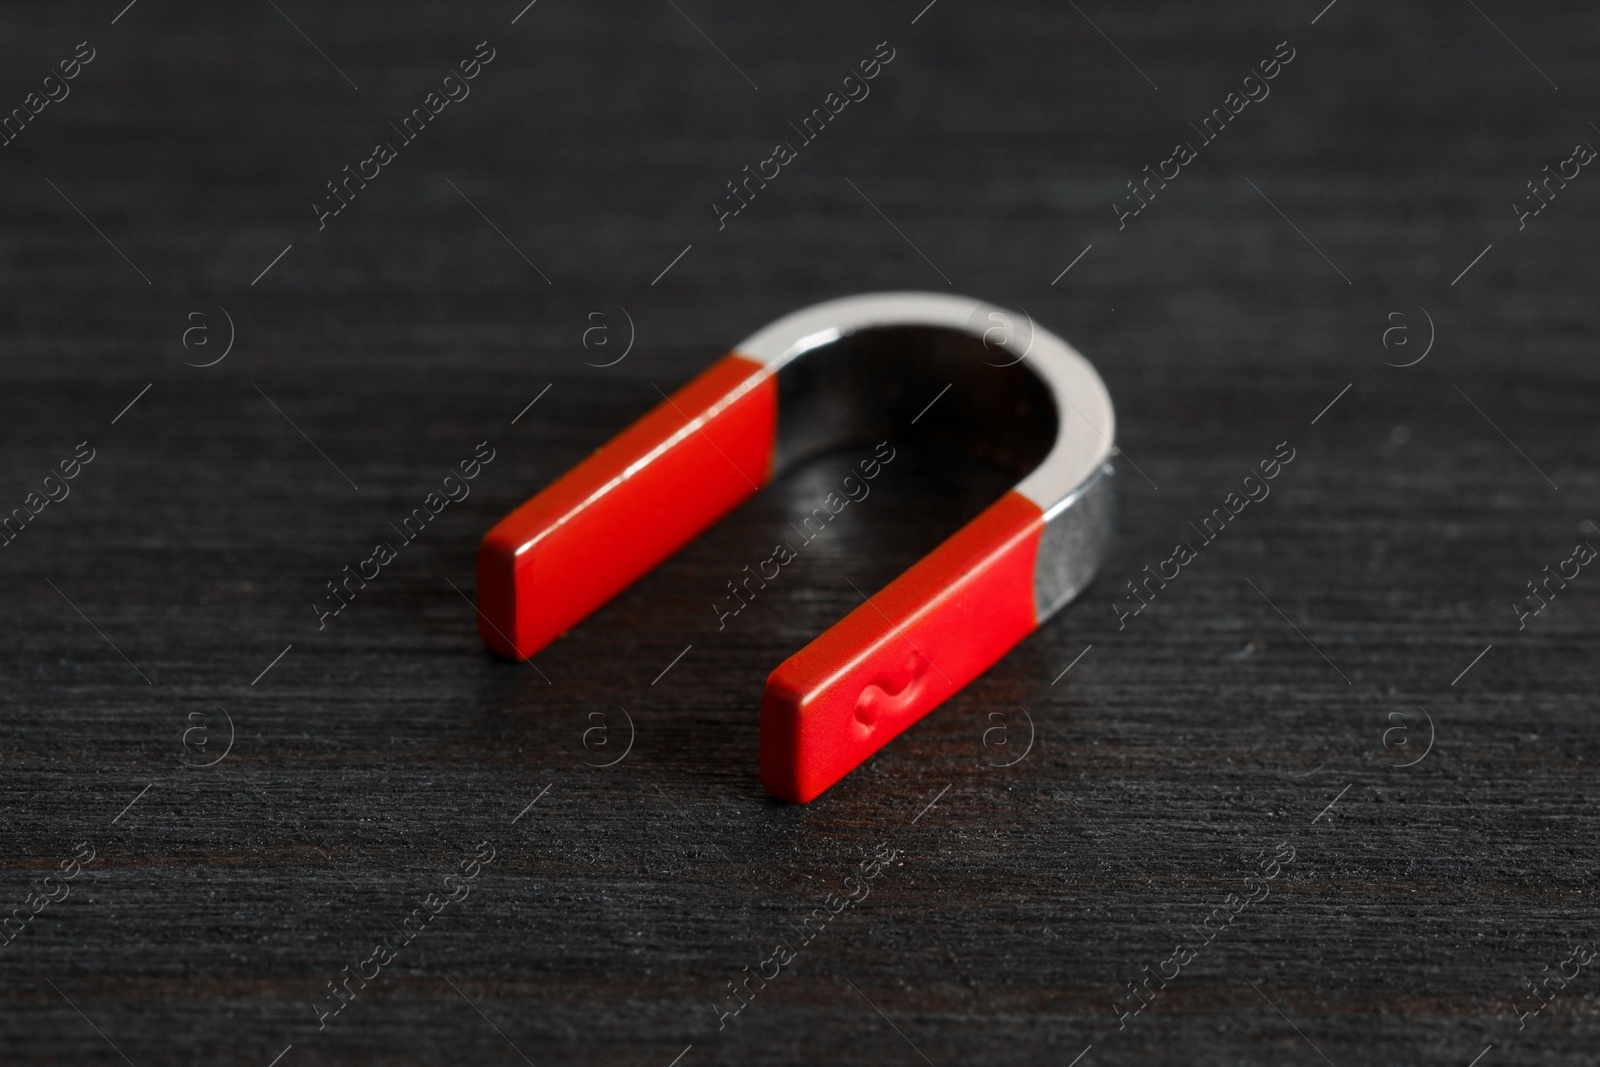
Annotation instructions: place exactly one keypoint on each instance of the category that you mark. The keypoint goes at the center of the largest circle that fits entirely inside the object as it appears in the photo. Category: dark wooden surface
(1223, 721)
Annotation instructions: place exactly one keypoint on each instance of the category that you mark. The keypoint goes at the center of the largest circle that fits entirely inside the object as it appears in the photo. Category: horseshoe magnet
(857, 370)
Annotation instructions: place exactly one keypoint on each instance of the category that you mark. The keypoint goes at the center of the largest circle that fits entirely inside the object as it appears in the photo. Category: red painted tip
(635, 501)
(903, 653)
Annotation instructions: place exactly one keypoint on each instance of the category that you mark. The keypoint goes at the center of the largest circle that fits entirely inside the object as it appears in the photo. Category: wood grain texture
(375, 755)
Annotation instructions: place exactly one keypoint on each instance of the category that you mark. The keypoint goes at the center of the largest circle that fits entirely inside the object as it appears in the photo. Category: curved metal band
(1071, 483)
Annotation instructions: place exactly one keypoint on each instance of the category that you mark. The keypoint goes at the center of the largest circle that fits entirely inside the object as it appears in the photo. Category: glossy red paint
(630, 505)
(680, 468)
(902, 653)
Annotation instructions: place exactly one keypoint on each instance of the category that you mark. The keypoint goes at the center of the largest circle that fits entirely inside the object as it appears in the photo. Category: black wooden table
(1327, 796)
